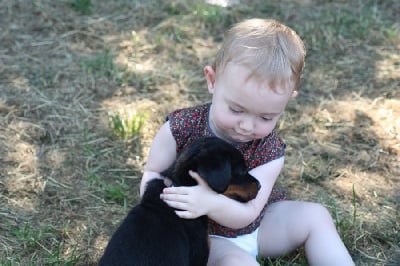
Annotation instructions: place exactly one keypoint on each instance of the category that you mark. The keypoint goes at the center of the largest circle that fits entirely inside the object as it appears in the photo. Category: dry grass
(67, 177)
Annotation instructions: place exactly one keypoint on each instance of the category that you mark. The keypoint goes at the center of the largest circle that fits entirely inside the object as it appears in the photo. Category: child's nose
(246, 124)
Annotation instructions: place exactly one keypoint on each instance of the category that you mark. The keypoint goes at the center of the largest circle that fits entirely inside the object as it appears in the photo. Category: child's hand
(192, 202)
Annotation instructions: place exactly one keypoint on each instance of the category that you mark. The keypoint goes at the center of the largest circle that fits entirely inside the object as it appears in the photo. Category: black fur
(153, 235)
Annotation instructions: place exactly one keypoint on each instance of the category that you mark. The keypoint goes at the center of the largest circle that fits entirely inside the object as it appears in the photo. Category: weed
(346, 225)
(127, 127)
(391, 33)
(57, 257)
(92, 176)
(110, 192)
(86, 146)
(30, 236)
(115, 192)
(175, 8)
(82, 6)
(10, 259)
(212, 16)
(101, 65)
(42, 238)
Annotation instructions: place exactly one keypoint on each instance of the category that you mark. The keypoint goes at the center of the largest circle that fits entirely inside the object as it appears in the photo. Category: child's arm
(161, 155)
(201, 200)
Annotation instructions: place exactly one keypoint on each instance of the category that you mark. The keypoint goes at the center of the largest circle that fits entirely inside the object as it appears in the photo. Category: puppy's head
(220, 164)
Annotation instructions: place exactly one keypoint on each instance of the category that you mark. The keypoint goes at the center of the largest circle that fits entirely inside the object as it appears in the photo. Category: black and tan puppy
(153, 235)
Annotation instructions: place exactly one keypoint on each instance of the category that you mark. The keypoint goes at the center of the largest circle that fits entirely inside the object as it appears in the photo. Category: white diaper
(246, 242)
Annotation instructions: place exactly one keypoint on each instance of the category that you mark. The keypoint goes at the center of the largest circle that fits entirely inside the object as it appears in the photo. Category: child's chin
(240, 139)
(243, 140)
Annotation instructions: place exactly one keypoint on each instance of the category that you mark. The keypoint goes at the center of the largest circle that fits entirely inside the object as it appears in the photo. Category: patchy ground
(84, 85)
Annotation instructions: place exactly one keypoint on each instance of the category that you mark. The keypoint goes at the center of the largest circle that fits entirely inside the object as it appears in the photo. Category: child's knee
(320, 213)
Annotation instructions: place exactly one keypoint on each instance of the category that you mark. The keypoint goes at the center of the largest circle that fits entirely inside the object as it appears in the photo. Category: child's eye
(266, 118)
(235, 110)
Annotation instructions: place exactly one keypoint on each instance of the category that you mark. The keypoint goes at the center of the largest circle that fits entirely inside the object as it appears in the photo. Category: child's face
(243, 109)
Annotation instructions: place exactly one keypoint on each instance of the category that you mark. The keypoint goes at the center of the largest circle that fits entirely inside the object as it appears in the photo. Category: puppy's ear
(216, 174)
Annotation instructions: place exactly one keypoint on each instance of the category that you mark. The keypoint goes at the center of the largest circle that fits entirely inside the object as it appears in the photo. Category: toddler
(256, 72)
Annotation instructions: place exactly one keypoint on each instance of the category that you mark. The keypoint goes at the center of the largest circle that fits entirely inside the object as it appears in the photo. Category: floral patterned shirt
(189, 124)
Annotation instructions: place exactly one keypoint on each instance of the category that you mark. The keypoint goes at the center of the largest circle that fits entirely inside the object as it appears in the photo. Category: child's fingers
(186, 214)
(197, 177)
(176, 190)
(176, 204)
(173, 197)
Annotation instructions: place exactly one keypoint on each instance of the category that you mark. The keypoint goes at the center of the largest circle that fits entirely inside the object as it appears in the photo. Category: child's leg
(290, 224)
(225, 253)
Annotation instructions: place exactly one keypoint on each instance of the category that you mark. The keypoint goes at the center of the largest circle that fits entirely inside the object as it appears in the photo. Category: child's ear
(294, 94)
(210, 77)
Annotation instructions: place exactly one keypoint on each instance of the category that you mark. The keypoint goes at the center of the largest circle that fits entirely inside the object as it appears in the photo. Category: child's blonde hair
(270, 49)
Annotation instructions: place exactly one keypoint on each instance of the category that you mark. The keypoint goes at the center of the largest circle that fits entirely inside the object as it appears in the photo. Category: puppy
(153, 235)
